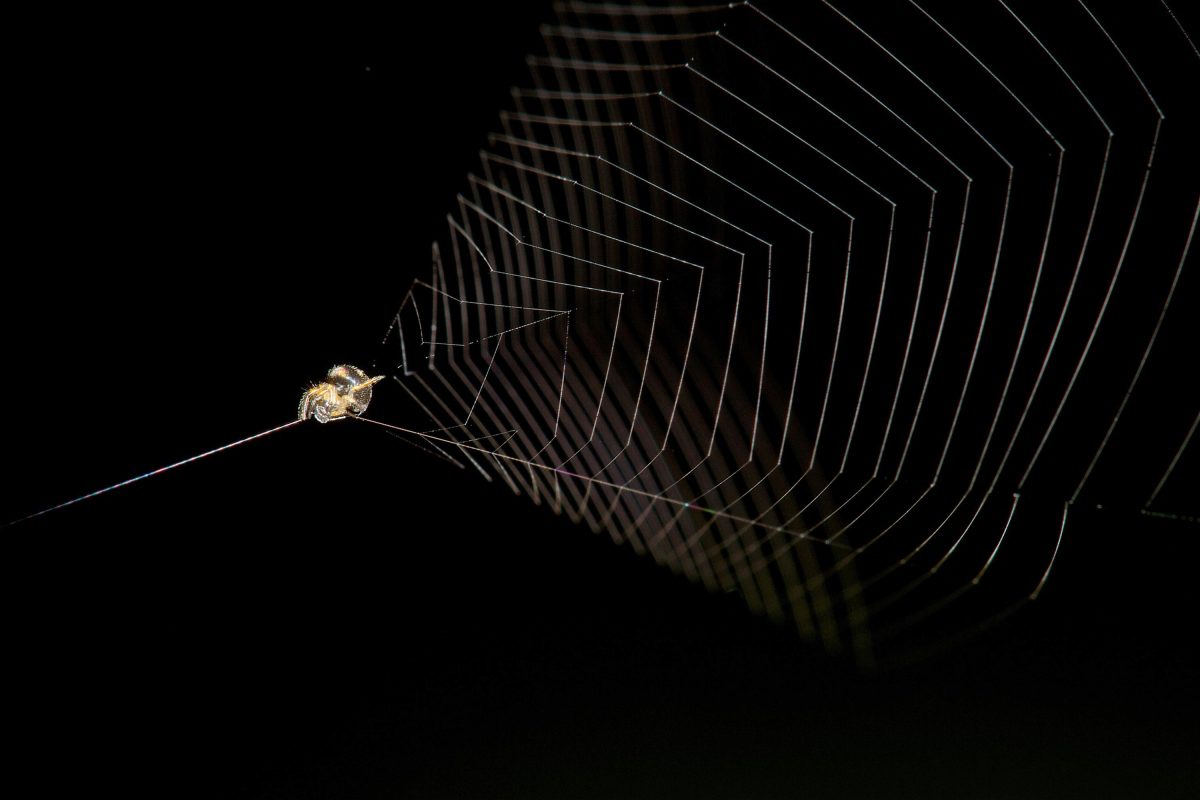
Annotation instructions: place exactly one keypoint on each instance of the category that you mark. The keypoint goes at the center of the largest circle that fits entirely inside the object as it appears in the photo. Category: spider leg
(306, 409)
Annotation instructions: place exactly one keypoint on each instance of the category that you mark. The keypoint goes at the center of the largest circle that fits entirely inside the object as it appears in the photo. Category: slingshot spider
(345, 392)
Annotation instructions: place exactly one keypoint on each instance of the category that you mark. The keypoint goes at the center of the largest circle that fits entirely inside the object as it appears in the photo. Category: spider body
(346, 391)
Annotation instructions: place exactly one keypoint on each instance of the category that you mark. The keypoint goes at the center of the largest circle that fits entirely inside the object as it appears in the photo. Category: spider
(345, 392)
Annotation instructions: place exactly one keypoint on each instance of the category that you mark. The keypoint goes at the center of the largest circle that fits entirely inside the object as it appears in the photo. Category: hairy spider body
(345, 392)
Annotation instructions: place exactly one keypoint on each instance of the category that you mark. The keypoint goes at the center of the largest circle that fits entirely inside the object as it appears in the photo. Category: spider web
(817, 302)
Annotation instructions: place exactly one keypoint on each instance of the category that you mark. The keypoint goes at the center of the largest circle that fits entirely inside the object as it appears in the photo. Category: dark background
(208, 212)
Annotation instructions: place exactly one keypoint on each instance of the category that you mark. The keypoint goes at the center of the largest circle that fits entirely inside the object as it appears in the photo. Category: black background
(208, 212)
